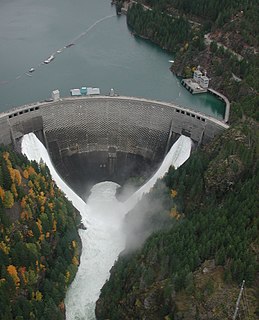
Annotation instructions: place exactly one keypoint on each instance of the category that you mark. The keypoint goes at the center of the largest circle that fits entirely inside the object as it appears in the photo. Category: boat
(59, 51)
(70, 45)
(171, 61)
(49, 59)
(31, 70)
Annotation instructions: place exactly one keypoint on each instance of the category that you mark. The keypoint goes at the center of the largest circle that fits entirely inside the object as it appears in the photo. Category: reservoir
(47, 45)
(91, 47)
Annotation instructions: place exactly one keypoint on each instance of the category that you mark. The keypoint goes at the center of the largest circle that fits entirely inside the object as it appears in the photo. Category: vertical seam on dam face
(105, 131)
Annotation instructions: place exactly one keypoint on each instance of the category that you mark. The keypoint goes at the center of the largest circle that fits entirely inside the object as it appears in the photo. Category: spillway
(177, 155)
(103, 215)
(35, 150)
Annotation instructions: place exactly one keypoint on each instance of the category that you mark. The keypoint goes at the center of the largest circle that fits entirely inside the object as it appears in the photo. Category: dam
(105, 137)
(103, 215)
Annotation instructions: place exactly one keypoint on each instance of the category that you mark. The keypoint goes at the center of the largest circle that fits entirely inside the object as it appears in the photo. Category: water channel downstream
(104, 54)
(103, 215)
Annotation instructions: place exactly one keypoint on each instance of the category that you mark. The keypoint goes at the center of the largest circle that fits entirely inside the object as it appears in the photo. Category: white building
(93, 91)
(201, 79)
(112, 92)
(204, 81)
(55, 95)
(197, 75)
(75, 92)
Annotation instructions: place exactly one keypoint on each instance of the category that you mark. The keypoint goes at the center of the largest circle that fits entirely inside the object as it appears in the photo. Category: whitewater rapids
(103, 216)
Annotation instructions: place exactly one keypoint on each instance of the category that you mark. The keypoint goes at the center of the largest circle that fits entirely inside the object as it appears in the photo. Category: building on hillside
(204, 81)
(197, 74)
(199, 83)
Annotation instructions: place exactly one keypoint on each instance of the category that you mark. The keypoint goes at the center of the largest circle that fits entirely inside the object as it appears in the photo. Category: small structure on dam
(105, 137)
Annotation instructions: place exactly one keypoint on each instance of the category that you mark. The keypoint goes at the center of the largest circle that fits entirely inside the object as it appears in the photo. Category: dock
(197, 86)
(192, 86)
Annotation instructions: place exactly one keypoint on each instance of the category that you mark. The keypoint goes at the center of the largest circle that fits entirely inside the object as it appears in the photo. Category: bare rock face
(229, 164)
(222, 174)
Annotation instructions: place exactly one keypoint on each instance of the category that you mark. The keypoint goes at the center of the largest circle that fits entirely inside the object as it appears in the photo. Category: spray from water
(35, 150)
(177, 155)
(104, 238)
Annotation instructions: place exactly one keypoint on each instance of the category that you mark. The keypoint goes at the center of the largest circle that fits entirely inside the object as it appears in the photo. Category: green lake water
(106, 55)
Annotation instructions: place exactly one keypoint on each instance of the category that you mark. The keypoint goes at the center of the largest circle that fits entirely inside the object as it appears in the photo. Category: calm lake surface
(105, 55)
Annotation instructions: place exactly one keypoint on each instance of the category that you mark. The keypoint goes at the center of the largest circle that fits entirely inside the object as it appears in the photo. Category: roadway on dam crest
(105, 54)
(107, 133)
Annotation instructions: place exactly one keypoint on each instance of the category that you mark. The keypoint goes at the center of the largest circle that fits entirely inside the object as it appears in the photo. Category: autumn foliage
(39, 251)
(13, 273)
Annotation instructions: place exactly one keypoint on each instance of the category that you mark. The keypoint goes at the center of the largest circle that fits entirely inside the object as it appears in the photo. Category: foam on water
(103, 215)
(35, 150)
(102, 243)
(177, 155)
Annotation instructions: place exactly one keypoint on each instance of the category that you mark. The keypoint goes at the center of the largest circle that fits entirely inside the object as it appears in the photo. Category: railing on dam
(106, 121)
(223, 98)
(180, 109)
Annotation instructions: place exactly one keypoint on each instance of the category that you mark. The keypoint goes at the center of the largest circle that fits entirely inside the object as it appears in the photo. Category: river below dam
(91, 47)
(103, 215)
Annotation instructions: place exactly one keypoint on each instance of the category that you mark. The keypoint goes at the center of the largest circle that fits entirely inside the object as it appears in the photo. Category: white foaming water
(177, 155)
(35, 150)
(102, 243)
(103, 240)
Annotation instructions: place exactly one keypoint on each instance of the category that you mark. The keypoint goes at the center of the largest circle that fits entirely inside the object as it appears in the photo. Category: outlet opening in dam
(93, 139)
(83, 170)
(103, 215)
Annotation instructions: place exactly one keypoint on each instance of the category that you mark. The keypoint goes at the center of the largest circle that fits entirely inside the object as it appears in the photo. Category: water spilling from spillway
(103, 216)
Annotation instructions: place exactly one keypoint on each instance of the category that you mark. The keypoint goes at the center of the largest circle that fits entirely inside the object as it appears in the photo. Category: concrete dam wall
(106, 137)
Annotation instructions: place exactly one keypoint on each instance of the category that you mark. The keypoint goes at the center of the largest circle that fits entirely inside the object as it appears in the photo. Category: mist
(103, 215)
(148, 216)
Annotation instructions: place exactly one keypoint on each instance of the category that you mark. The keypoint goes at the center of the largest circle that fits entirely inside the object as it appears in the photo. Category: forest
(208, 212)
(158, 27)
(217, 11)
(199, 238)
(200, 241)
(177, 27)
(39, 242)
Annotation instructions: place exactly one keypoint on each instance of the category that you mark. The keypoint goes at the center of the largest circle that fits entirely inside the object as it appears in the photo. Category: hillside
(212, 202)
(204, 227)
(39, 243)
(197, 238)
(220, 37)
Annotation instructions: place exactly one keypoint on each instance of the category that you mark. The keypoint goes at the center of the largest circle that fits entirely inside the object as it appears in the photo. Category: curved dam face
(105, 137)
